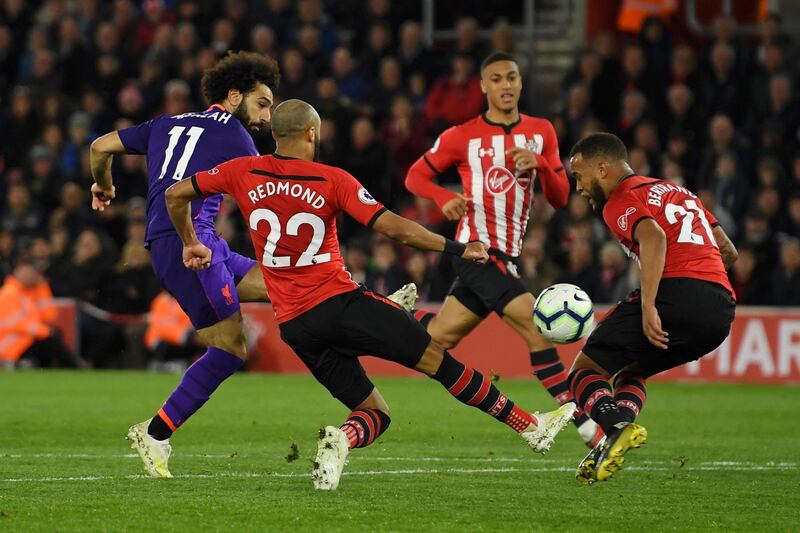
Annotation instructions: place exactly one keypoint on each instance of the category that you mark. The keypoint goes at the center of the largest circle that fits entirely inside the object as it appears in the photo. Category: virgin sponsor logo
(499, 180)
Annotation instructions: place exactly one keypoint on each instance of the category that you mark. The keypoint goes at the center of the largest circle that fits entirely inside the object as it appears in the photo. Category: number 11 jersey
(692, 251)
(178, 147)
(291, 206)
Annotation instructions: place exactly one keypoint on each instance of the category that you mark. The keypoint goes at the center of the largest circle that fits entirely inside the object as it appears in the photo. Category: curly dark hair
(241, 71)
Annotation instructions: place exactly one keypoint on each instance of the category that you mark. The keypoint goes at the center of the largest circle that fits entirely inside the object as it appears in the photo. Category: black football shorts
(696, 314)
(488, 287)
(330, 337)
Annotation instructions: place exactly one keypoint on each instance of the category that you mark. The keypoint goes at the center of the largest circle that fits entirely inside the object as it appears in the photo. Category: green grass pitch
(719, 458)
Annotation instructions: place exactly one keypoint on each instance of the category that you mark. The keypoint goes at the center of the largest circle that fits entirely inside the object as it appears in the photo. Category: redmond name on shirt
(295, 190)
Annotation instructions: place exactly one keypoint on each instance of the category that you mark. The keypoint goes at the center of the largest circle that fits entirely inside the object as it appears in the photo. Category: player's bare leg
(226, 354)
(453, 322)
(470, 387)
(590, 386)
(251, 287)
(364, 424)
(547, 366)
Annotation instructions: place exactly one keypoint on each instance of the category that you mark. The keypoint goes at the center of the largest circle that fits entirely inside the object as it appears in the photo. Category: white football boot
(332, 451)
(540, 437)
(154, 453)
(405, 296)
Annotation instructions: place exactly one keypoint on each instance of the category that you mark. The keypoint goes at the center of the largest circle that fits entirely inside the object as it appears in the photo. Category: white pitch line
(414, 471)
(383, 458)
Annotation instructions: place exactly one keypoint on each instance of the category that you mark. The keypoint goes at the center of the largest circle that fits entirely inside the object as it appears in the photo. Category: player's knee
(431, 360)
(446, 339)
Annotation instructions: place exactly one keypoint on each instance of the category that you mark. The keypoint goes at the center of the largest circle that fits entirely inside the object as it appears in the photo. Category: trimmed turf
(719, 458)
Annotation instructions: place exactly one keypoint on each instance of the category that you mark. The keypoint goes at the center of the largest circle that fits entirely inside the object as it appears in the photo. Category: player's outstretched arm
(652, 253)
(419, 181)
(410, 233)
(101, 153)
(178, 199)
(726, 247)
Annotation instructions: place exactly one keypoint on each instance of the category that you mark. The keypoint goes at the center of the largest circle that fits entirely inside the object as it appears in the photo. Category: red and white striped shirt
(501, 198)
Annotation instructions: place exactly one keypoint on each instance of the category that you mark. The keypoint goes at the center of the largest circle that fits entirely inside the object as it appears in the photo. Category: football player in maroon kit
(683, 310)
(499, 155)
(291, 203)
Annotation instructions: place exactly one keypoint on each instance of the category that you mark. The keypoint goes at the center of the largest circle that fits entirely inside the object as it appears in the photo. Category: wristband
(454, 247)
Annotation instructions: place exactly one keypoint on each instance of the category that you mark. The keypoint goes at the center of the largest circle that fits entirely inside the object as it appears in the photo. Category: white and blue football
(563, 313)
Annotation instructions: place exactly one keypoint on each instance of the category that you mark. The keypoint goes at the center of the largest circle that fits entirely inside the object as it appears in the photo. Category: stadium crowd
(719, 116)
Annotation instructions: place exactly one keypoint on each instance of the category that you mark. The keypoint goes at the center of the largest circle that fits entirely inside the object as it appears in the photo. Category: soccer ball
(563, 313)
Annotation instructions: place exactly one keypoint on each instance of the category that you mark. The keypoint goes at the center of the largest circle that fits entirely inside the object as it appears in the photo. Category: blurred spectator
(309, 45)
(79, 136)
(405, 134)
(379, 45)
(785, 281)
(310, 15)
(613, 285)
(20, 216)
(538, 272)
(21, 119)
(27, 315)
(601, 82)
(468, 42)
(263, 40)
(8, 252)
(413, 55)
(43, 177)
(793, 215)
(81, 273)
(177, 98)
(333, 106)
(633, 111)
(72, 53)
(356, 260)
(748, 283)
(772, 63)
(155, 14)
(386, 274)
(683, 69)
(455, 98)
(579, 270)
(577, 111)
(418, 268)
(722, 138)
(655, 42)
(368, 160)
(277, 14)
(384, 90)
(722, 91)
(683, 114)
(297, 81)
(351, 80)
(723, 216)
(728, 184)
(170, 336)
(637, 75)
(759, 238)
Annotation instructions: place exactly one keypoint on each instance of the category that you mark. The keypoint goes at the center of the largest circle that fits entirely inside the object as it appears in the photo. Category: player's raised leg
(471, 387)
(547, 366)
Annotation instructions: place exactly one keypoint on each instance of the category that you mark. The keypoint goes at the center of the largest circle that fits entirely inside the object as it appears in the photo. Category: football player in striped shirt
(499, 154)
